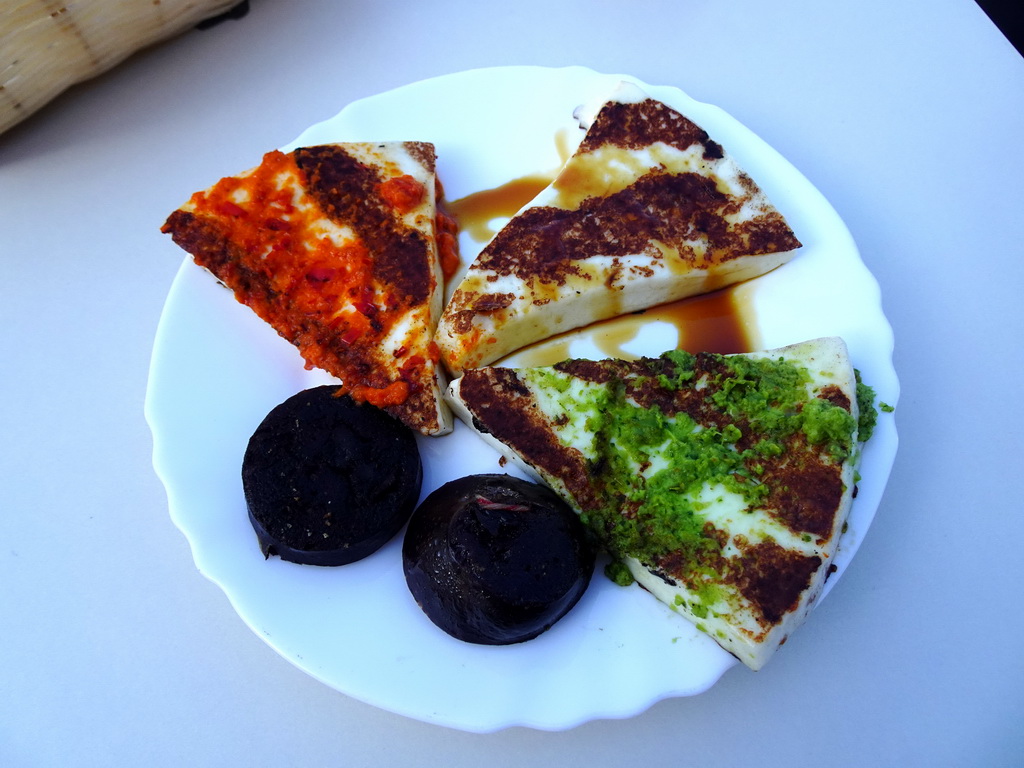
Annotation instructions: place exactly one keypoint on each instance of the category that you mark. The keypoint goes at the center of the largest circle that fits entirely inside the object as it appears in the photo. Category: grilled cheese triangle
(721, 482)
(648, 209)
(335, 246)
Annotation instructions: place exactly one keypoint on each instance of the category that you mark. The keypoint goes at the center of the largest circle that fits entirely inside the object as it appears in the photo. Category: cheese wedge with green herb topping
(720, 483)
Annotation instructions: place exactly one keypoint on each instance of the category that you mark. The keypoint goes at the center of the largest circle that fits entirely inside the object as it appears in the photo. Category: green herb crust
(676, 426)
(720, 484)
(868, 414)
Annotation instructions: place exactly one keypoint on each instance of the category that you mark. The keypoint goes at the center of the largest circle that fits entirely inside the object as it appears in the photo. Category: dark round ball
(493, 559)
(328, 481)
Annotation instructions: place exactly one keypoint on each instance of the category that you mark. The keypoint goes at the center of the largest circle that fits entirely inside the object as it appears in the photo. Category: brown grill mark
(423, 153)
(640, 124)
(491, 302)
(835, 395)
(347, 191)
(805, 491)
(502, 406)
(640, 378)
(594, 371)
(772, 578)
(674, 209)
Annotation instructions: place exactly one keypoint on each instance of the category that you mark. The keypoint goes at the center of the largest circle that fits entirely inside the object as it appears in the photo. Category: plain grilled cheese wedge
(648, 209)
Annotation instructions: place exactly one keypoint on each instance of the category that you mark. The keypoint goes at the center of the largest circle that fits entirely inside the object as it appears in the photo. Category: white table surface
(909, 116)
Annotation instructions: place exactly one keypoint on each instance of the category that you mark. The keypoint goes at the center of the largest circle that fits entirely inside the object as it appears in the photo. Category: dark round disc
(493, 559)
(328, 481)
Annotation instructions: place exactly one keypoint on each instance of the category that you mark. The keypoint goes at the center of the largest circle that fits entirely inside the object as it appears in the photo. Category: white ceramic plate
(217, 370)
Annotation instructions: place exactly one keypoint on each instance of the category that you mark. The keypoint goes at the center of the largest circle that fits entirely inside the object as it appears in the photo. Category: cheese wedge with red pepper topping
(649, 209)
(721, 482)
(336, 247)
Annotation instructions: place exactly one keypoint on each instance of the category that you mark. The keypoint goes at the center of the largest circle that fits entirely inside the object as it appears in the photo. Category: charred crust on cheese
(347, 190)
(209, 246)
(491, 302)
(633, 125)
(547, 243)
(510, 417)
(835, 395)
(769, 576)
(773, 578)
(424, 153)
(805, 490)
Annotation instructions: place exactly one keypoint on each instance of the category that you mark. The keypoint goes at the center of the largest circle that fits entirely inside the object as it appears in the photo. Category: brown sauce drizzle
(475, 212)
(720, 321)
(714, 322)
